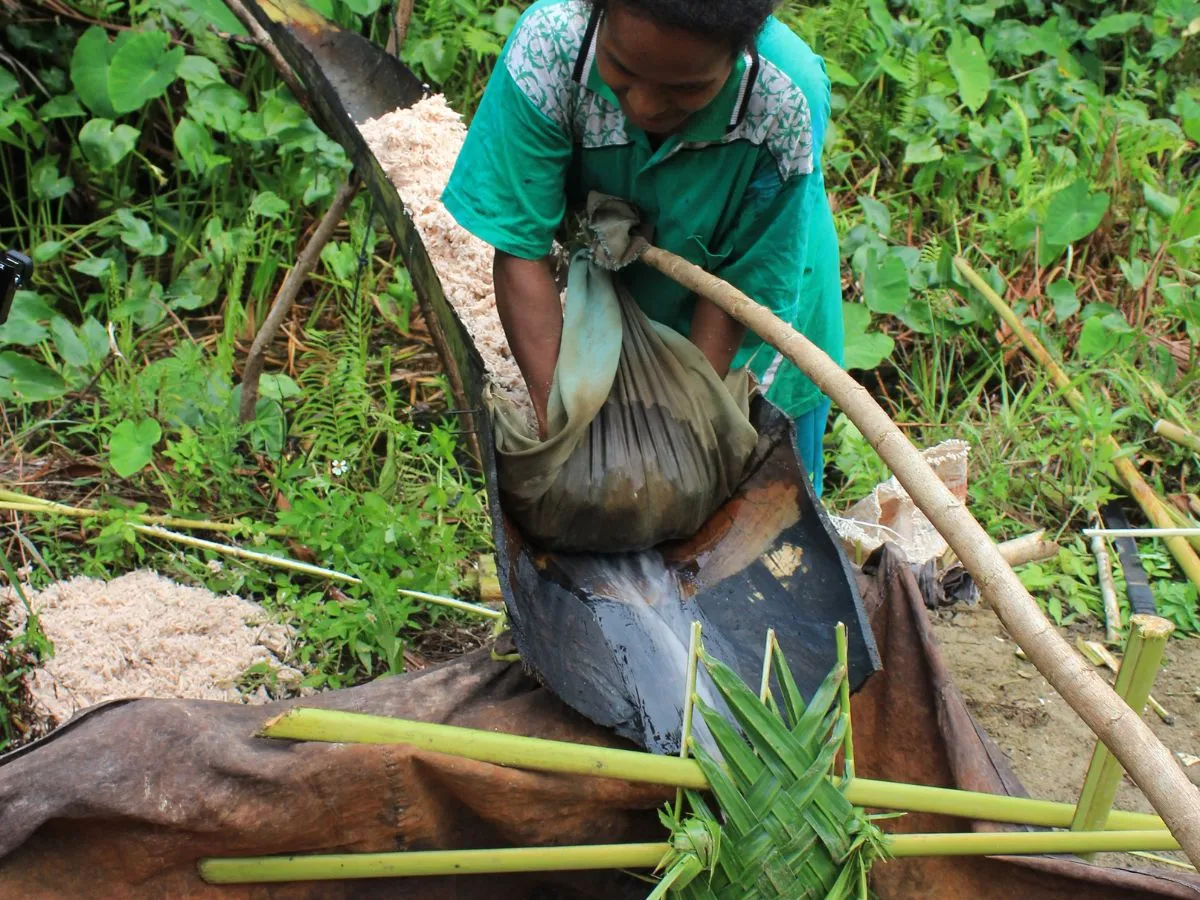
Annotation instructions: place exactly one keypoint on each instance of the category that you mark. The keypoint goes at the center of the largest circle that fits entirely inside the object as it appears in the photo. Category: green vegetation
(164, 181)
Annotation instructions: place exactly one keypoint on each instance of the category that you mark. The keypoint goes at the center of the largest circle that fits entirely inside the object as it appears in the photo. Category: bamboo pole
(1151, 765)
(1108, 589)
(541, 755)
(843, 658)
(1148, 636)
(1177, 435)
(432, 863)
(1154, 508)
(47, 507)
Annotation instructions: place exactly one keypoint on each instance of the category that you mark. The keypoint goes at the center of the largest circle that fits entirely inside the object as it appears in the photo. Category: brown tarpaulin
(123, 800)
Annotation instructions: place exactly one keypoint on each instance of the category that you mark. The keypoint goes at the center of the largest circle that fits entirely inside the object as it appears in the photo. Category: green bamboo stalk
(843, 657)
(540, 755)
(1177, 435)
(18, 502)
(428, 863)
(1148, 636)
(452, 603)
(764, 689)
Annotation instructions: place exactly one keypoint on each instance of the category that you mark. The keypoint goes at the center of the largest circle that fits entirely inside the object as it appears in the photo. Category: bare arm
(716, 334)
(528, 303)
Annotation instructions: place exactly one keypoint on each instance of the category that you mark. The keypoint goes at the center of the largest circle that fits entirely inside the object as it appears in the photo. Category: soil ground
(1047, 744)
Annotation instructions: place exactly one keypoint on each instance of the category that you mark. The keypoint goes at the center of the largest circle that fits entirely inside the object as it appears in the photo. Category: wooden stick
(1154, 508)
(288, 291)
(267, 45)
(399, 30)
(1150, 764)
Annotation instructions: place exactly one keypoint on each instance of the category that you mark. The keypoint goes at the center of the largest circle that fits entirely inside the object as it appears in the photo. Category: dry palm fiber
(784, 831)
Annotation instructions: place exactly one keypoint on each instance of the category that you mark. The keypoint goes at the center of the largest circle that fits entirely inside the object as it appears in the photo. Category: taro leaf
(218, 15)
(62, 106)
(89, 71)
(925, 150)
(864, 349)
(136, 234)
(47, 184)
(971, 69)
(131, 445)
(68, 344)
(219, 106)
(1108, 26)
(1073, 214)
(885, 283)
(104, 145)
(199, 70)
(141, 70)
(1066, 304)
(269, 205)
(1102, 333)
(317, 187)
(876, 214)
(25, 379)
(195, 287)
(278, 387)
(195, 145)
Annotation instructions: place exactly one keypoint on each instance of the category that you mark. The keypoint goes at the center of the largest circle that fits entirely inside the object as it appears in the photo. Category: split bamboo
(1150, 764)
(1177, 435)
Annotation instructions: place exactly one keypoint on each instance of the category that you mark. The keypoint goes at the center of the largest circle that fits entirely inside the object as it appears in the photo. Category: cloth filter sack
(644, 440)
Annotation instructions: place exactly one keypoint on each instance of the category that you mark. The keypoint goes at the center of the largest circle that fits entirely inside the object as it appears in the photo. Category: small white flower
(339, 468)
(215, 566)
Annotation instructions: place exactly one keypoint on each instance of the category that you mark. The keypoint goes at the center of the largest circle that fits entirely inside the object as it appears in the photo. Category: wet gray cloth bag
(644, 441)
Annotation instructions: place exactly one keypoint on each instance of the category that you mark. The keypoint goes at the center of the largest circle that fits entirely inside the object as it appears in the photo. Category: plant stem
(432, 863)
(689, 704)
(1148, 636)
(450, 602)
(764, 689)
(843, 657)
(541, 755)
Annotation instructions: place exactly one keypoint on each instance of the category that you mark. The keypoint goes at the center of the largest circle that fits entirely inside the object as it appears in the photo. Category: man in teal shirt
(708, 116)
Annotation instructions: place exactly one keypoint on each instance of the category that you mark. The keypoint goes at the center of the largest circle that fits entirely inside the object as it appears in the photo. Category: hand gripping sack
(645, 441)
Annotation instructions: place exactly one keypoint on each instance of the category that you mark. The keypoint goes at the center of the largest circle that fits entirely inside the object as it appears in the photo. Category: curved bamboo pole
(1150, 764)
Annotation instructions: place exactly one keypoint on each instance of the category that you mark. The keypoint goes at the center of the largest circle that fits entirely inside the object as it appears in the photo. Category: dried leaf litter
(142, 635)
(417, 148)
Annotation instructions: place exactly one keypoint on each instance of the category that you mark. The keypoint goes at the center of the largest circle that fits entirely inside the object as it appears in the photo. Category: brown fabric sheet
(123, 801)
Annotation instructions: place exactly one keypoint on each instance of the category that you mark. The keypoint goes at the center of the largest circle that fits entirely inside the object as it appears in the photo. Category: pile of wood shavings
(142, 635)
(417, 148)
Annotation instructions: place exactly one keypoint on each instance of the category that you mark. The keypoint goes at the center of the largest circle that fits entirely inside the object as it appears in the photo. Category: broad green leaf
(278, 387)
(195, 145)
(195, 287)
(1107, 26)
(971, 69)
(136, 234)
(1066, 303)
(317, 188)
(62, 106)
(1163, 205)
(504, 20)
(1101, 335)
(89, 72)
(104, 145)
(8, 84)
(73, 351)
(1073, 214)
(95, 337)
(27, 380)
(876, 214)
(864, 349)
(94, 266)
(219, 106)
(141, 70)
(199, 70)
(269, 205)
(131, 445)
(47, 251)
(885, 283)
(926, 150)
(1189, 114)
(47, 184)
(218, 15)
(839, 75)
(25, 326)
(362, 7)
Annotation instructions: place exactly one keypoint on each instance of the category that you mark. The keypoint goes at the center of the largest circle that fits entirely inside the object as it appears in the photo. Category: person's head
(666, 59)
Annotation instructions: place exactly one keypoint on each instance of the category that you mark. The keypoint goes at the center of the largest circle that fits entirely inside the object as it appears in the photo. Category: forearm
(528, 303)
(717, 334)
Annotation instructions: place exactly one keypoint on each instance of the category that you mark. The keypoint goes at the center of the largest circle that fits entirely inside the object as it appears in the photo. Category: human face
(661, 76)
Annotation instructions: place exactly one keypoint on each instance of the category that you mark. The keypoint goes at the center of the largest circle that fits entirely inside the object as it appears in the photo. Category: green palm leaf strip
(783, 830)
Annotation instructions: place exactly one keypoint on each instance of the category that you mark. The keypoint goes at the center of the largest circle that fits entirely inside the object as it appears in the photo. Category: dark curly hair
(736, 22)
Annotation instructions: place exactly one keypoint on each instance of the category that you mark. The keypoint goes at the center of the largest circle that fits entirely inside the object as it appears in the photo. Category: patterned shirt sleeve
(508, 187)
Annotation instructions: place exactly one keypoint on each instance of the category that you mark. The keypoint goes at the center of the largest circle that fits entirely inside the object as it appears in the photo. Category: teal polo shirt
(739, 191)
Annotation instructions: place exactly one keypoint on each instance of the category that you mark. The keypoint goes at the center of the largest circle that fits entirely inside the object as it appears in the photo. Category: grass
(1056, 149)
